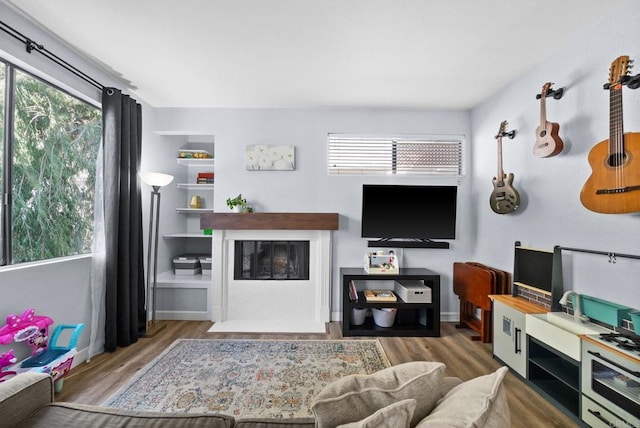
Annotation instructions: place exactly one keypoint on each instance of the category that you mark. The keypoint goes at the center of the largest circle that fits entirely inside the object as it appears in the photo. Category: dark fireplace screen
(282, 260)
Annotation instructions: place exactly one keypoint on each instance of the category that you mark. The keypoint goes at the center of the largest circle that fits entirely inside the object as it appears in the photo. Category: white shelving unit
(186, 297)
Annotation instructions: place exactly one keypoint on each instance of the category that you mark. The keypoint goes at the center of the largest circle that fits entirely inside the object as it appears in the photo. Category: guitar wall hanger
(509, 134)
(631, 82)
(555, 93)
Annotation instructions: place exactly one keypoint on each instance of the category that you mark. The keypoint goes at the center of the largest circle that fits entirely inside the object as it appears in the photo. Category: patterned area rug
(246, 378)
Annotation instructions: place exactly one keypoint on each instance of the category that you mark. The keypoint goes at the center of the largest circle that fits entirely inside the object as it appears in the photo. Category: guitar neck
(500, 173)
(543, 111)
(616, 128)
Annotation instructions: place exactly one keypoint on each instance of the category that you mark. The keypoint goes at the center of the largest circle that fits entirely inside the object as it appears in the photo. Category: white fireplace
(272, 305)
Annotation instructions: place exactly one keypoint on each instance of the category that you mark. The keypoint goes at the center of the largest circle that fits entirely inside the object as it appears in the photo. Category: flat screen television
(409, 212)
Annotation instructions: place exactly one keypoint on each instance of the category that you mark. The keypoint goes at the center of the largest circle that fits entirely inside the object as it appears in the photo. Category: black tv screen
(409, 212)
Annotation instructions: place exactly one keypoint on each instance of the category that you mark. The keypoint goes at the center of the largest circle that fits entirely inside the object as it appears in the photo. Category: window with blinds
(362, 155)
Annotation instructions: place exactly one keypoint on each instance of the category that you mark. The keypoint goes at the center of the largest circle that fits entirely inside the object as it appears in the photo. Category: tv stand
(412, 319)
(416, 243)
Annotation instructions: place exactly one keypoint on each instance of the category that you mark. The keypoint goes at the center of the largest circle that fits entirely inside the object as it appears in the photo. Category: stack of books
(205, 178)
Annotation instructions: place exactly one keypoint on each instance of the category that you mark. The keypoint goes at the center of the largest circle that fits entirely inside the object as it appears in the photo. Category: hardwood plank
(95, 381)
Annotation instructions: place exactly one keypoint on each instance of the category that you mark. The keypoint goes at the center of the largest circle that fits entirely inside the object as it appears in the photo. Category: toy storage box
(381, 262)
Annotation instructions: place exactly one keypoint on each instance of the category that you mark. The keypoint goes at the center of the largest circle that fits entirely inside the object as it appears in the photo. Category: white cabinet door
(509, 337)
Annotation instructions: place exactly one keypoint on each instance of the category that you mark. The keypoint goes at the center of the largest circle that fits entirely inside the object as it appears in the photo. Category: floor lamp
(156, 180)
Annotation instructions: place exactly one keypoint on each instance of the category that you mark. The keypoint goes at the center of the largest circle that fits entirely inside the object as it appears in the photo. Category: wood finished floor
(95, 381)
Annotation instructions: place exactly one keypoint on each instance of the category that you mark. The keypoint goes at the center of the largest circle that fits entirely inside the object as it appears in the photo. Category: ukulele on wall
(548, 143)
(614, 184)
(504, 199)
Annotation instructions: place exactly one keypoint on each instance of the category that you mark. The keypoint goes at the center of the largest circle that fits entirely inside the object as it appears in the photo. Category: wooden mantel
(269, 221)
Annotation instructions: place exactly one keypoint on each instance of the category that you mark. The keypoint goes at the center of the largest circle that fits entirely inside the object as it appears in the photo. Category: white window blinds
(362, 155)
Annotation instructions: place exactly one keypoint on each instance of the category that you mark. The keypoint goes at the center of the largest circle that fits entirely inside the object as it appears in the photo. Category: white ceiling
(440, 54)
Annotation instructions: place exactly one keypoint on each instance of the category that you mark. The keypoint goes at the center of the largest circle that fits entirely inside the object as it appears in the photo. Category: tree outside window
(53, 153)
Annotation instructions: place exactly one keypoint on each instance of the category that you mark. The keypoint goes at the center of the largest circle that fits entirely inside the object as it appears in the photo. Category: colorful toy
(7, 359)
(46, 356)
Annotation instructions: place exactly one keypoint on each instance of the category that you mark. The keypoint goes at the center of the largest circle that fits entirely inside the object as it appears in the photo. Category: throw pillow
(353, 398)
(396, 415)
(479, 402)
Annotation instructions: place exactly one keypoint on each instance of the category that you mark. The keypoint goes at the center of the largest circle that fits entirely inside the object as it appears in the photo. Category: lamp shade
(155, 178)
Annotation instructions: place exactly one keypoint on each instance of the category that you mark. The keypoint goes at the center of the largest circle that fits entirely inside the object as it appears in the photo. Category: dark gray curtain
(125, 316)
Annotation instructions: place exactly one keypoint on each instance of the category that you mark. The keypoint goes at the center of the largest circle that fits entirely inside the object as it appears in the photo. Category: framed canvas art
(263, 157)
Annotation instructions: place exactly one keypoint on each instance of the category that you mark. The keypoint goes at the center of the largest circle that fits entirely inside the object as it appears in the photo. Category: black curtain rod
(31, 45)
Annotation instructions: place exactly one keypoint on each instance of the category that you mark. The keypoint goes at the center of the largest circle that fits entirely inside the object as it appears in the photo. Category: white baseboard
(182, 315)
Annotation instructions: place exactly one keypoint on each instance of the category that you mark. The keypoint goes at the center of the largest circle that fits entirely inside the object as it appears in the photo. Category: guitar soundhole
(616, 159)
(543, 133)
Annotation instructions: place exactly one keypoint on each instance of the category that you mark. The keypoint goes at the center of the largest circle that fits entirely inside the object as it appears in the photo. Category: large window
(407, 155)
(49, 159)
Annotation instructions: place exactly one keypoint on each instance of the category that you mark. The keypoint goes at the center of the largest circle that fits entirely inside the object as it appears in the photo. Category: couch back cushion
(355, 397)
(65, 415)
(479, 402)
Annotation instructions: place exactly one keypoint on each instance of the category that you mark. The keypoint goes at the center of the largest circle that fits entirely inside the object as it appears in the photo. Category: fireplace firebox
(271, 260)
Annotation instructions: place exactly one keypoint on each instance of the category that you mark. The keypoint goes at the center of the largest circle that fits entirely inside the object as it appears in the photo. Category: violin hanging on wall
(548, 143)
(614, 184)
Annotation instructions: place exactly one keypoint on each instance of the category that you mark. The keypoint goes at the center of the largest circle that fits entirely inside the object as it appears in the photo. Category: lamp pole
(154, 228)
(156, 181)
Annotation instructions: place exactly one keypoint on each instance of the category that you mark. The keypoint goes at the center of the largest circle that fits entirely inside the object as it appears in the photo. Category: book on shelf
(353, 293)
(380, 296)
(205, 178)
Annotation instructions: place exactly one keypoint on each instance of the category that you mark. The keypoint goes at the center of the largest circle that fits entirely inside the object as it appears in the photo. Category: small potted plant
(239, 204)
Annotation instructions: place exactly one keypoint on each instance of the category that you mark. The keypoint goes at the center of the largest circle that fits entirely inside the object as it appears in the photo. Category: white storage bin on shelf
(186, 265)
(412, 291)
(205, 264)
(384, 317)
(358, 316)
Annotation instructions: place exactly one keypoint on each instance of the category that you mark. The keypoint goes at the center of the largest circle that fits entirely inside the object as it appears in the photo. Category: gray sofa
(408, 395)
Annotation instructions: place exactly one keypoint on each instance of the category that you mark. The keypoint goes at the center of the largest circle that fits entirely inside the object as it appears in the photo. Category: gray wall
(309, 188)
(551, 212)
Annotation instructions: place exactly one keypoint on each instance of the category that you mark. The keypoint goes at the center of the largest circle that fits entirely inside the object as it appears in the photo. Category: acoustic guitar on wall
(505, 198)
(614, 184)
(548, 143)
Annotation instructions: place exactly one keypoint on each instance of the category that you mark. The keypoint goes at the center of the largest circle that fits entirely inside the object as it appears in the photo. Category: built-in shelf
(186, 297)
(194, 210)
(185, 235)
(194, 186)
(169, 279)
(195, 162)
